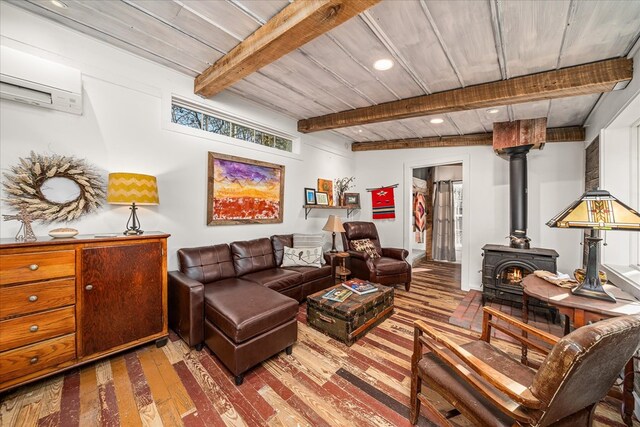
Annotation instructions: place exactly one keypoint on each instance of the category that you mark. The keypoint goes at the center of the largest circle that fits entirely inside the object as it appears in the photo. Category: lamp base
(133, 224)
(333, 243)
(591, 286)
(130, 232)
(597, 292)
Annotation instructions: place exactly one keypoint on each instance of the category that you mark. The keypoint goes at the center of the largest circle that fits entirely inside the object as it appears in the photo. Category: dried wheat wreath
(23, 186)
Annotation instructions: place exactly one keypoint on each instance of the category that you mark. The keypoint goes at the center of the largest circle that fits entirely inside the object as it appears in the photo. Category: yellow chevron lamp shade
(127, 188)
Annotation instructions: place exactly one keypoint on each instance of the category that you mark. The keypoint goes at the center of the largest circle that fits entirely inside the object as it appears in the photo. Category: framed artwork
(309, 196)
(322, 198)
(326, 186)
(244, 191)
(352, 199)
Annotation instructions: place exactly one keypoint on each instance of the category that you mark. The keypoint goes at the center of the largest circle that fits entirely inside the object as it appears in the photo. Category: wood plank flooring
(323, 383)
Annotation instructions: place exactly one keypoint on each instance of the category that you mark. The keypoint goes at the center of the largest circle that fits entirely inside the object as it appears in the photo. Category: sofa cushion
(387, 266)
(250, 256)
(207, 263)
(279, 241)
(311, 273)
(243, 309)
(302, 257)
(310, 241)
(278, 279)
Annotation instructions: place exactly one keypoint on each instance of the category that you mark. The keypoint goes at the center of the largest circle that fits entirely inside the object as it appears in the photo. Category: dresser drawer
(46, 354)
(30, 329)
(34, 297)
(32, 266)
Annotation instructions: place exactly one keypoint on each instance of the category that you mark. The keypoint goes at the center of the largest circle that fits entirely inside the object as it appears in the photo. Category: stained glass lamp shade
(596, 210)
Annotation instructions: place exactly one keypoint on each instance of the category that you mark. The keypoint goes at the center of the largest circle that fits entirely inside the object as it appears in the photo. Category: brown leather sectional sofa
(238, 301)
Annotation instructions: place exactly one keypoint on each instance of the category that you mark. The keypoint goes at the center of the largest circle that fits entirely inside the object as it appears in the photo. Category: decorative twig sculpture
(26, 219)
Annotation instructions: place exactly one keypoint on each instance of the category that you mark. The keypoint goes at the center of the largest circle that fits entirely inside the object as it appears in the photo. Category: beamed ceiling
(313, 59)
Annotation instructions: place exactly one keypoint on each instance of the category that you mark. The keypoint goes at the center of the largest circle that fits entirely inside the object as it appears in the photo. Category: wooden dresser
(64, 302)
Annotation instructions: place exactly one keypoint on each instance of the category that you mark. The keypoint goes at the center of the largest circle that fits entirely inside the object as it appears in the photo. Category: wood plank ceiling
(436, 46)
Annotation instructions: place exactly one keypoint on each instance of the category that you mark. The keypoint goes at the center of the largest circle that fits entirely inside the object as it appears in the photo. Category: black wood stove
(504, 267)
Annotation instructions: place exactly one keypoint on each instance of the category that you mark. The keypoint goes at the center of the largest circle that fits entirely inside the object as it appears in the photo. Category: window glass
(216, 125)
(185, 117)
(196, 119)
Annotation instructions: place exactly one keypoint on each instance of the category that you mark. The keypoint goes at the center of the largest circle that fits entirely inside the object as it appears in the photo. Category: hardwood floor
(323, 383)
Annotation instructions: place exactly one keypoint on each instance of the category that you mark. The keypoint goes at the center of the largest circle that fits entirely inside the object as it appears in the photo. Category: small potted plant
(342, 185)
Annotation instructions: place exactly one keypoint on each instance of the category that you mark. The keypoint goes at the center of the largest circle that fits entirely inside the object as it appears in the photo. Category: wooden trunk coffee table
(349, 320)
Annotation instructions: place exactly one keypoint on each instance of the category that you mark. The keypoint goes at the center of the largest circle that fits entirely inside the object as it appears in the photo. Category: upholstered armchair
(387, 266)
(489, 387)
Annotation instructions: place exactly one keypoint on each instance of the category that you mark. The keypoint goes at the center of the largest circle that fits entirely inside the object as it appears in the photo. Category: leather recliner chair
(389, 268)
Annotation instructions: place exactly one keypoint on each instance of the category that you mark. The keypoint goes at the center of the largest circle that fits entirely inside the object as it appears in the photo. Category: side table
(339, 269)
(579, 311)
(342, 271)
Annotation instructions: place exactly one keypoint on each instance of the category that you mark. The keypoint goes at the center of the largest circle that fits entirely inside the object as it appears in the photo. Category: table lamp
(335, 226)
(596, 210)
(132, 188)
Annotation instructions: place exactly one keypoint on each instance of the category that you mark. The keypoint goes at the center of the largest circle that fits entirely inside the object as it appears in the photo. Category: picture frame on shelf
(326, 186)
(352, 199)
(322, 198)
(310, 196)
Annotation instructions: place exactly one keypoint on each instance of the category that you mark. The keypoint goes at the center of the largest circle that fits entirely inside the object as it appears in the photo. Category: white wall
(125, 127)
(449, 172)
(555, 179)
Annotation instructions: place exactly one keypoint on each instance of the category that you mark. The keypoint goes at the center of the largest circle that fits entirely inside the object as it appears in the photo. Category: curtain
(444, 239)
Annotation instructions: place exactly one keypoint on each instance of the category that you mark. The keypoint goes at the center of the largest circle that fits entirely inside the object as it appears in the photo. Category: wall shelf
(349, 208)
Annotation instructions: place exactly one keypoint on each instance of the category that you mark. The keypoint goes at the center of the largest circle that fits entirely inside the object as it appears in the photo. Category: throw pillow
(302, 257)
(364, 245)
(309, 241)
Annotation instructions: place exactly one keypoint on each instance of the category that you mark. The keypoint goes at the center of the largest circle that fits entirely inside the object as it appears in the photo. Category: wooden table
(579, 311)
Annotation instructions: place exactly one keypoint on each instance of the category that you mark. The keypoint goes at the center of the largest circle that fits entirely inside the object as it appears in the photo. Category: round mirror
(60, 190)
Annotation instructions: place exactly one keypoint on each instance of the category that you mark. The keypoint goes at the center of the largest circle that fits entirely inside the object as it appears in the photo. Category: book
(337, 294)
(360, 287)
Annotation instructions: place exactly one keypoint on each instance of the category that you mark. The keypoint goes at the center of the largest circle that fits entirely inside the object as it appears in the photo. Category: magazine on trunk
(359, 287)
(337, 294)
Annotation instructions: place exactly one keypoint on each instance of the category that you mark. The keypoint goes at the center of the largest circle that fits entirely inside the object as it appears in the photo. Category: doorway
(437, 213)
(432, 227)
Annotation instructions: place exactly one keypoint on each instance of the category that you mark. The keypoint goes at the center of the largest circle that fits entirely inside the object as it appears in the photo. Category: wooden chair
(489, 387)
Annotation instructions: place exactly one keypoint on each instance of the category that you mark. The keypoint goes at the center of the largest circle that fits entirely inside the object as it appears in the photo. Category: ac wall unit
(32, 80)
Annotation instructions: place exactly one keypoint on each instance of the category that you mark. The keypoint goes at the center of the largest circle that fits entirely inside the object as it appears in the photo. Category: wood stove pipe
(518, 196)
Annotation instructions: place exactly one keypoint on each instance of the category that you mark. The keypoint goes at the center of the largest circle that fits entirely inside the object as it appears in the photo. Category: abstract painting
(244, 191)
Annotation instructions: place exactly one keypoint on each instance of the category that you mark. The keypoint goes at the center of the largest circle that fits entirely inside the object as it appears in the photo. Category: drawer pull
(34, 267)
(326, 319)
(33, 298)
(89, 287)
(34, 360)
(33, 328)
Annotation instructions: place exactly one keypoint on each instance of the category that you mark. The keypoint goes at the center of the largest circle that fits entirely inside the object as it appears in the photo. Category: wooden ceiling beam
(596, 77)
(292, 27)
(566, 134)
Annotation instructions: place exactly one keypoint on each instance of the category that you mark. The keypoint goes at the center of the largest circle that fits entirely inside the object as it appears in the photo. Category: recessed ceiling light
(493, 110)
(58, 3)
(383, 64)
(359, 130)
(436, 121)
